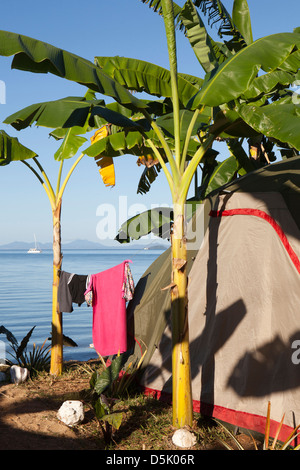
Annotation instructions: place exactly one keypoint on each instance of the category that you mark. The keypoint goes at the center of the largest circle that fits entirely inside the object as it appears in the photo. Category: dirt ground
(28, 419)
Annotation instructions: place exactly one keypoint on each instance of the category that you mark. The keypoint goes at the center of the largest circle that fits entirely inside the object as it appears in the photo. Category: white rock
(18, 374)
(183, 438)
(71, 412)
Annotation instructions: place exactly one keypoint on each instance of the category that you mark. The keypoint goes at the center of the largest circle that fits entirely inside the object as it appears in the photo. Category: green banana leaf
(120, 143)
(70, 144)
(236, 149)
(143, 76)
(166, 122)
(156, 221)
(66, 113)
(223, 173)
(37, 56)
(198, 37)
(236, 74)
(276, 120)
(265, 84)
(228, 123)
(12, 150)
(215, 12)
(241, 19)
(154, 107)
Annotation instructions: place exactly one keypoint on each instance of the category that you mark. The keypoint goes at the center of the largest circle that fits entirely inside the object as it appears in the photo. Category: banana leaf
(143, 76)
(166, 122)
(156, 221)
(198, 37)
(276, 120)
(12, 150)
(232, 78)
(71, 143)
(118, 144)
(241, 19)
(215, 12)
(223, 173)
(264, 84)
(66, 113)
(37, 56)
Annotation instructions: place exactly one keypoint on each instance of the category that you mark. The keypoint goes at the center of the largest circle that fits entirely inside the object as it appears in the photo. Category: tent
(243, 304)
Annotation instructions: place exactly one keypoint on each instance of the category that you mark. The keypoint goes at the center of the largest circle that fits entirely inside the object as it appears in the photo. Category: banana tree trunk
(57, 330)
(181, 370)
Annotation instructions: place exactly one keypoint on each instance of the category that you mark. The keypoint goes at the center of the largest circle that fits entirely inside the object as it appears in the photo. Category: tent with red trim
(243, 304)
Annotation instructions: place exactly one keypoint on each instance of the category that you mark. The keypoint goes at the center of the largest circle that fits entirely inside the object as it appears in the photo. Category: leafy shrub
(108, 385)
(36, 360)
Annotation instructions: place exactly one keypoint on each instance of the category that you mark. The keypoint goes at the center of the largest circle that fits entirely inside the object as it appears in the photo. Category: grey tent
(243, 304)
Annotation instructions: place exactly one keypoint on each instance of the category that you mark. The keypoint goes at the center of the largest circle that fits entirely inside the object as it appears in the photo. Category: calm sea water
(26, 293)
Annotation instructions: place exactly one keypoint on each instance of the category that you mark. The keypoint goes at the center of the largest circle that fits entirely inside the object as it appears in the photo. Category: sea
(26, 294)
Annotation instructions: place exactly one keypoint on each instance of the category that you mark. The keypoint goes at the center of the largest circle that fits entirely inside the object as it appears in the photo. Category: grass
(146, 424)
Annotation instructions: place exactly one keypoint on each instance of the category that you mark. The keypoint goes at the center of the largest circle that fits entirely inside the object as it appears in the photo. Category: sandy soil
(28, 420)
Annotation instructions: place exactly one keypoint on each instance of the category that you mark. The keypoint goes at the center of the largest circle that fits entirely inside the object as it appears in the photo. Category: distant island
(88, 245)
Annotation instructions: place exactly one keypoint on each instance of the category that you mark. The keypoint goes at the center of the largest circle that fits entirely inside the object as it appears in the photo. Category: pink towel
(109, 311)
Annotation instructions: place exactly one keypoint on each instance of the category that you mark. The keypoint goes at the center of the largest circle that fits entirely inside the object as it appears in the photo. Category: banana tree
(71, 143)
(71, 117)
(278, 53)
(231, 112)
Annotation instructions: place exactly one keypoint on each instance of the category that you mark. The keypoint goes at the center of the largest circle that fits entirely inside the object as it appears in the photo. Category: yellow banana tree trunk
(57, 329)
(181, 369)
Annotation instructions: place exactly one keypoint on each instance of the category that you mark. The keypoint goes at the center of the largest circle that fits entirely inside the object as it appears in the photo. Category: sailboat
(35, 249)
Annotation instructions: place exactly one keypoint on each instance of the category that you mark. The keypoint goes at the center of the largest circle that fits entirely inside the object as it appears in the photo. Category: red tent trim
(263, 215)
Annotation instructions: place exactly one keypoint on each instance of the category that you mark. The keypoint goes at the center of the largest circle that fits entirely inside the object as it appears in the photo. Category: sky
(108, 28)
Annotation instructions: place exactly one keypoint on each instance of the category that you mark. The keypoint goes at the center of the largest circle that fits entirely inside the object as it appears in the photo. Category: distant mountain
(84, 245)
(74, 245)
(23, 246)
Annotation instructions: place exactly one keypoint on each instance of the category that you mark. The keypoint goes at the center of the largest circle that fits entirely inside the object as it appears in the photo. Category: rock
(183, 438)
(71, 412)
(18, 374)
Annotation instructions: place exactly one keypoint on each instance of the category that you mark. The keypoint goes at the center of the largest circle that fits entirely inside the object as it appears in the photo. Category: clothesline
(107, 292)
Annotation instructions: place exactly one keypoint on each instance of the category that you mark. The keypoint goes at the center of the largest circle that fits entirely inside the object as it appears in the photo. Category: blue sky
(115, 27)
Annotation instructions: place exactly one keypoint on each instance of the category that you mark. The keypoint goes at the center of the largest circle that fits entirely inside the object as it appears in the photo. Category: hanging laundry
(110, 289)
(63, 293)
(77, 288)
(71, 290)
(128, 284)
(88, 295)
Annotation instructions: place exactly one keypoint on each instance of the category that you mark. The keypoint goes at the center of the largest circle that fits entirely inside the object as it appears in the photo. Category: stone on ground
(183, 438)
(71, 412)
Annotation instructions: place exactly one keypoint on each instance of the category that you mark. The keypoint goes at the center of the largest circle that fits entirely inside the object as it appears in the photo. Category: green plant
(268, 444)
(36, 360)
(254, 102)
(108, 385)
